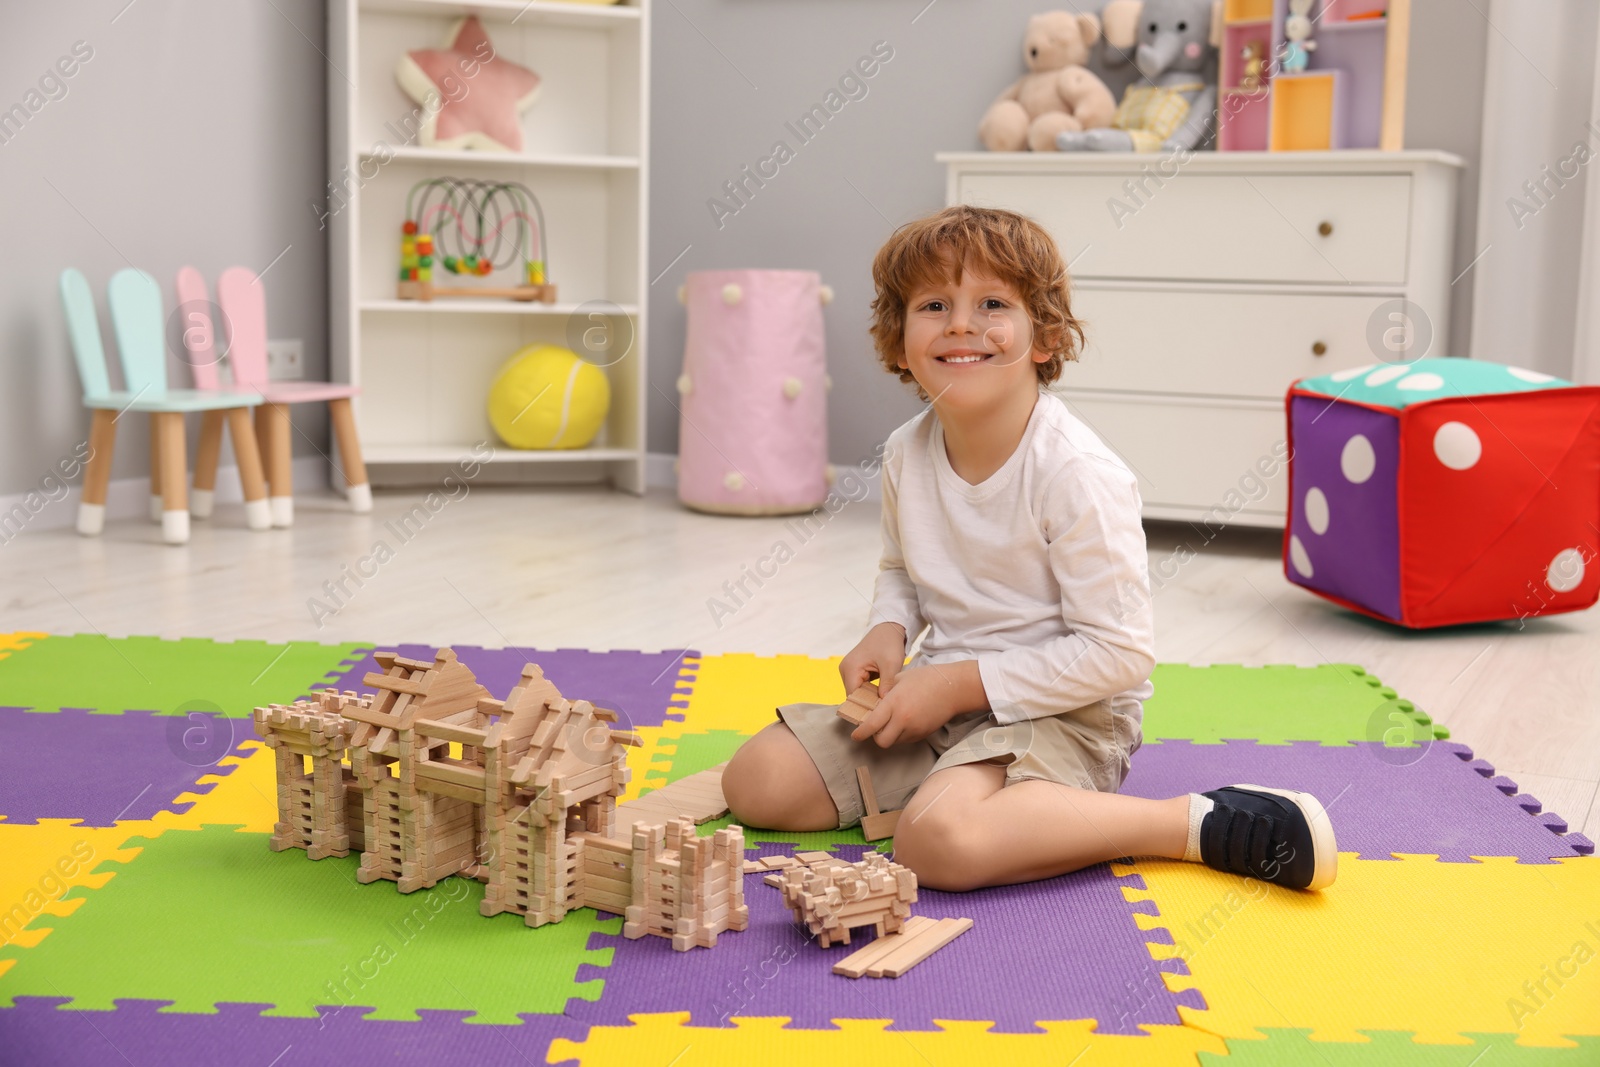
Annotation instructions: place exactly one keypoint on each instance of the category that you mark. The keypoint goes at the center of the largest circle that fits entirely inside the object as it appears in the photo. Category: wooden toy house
(686, 887)
(553, 770)
(317, 811)
(434, 777)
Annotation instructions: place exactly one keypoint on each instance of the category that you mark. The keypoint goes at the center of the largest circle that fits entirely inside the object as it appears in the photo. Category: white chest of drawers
(1206, 287)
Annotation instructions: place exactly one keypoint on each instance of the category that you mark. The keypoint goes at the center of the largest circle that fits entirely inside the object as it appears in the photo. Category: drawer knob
(1319, 349)
(1325, 228)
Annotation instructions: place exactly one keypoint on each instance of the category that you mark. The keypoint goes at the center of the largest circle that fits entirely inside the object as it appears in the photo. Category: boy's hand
(922, 700)
(882, 652)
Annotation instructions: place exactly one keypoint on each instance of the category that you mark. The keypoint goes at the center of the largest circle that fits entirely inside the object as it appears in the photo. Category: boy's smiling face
(970, 345)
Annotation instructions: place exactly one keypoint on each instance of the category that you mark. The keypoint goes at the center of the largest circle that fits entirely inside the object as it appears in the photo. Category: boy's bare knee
(940, 851)
(771, 783)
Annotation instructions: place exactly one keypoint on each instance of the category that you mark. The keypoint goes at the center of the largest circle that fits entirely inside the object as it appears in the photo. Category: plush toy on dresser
(1057, 94)
(1173, 44)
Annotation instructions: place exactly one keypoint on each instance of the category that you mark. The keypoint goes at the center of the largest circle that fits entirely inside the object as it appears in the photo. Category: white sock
(1198, 807)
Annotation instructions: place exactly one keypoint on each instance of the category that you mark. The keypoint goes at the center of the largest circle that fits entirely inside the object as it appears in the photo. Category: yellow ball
(547, 397)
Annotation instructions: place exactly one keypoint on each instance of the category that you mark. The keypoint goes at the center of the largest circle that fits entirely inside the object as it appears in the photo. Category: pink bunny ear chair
(243, 300)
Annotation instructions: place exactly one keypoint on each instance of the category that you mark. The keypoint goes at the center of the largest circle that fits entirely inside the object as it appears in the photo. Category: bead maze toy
(528, 806)
(461, 225)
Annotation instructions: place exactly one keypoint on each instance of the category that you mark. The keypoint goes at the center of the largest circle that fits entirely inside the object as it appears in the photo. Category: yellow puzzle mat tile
(1437, 949)
(666, 1038)
(41, 862)
(246, 797)
(741, 692)
(16, 642)
(649, 763)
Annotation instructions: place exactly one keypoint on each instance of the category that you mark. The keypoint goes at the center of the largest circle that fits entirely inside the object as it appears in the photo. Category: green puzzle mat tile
(12, 643)
(116, 674)
(1334, 703)
(201, 917)
(1387, 1048)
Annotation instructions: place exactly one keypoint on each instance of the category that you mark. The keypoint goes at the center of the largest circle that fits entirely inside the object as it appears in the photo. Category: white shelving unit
(425, 368)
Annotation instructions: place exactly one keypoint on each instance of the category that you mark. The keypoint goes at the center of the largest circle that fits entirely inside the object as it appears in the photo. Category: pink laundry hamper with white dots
(753, 439)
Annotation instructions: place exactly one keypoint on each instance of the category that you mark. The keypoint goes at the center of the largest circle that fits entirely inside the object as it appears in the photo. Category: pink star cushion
(472, 97)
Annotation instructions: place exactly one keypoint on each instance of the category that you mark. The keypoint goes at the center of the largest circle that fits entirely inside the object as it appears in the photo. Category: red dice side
(1499, 506)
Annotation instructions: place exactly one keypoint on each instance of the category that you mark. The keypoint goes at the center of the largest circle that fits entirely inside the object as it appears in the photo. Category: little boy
(1012, 533)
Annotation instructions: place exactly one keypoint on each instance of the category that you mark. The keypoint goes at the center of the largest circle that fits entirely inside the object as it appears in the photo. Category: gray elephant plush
(1173, 45)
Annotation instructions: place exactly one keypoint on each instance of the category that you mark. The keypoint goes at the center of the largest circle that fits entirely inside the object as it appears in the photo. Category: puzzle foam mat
(143, 919)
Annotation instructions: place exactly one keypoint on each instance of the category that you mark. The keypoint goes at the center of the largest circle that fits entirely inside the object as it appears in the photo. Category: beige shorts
(1088, 748)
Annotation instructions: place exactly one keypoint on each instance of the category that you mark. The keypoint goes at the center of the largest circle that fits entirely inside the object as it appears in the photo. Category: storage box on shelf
(1351, 93)
(1206, 287)
(425, 367)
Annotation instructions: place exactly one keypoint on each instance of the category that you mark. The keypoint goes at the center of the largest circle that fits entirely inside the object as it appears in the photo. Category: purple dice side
(1344, 519)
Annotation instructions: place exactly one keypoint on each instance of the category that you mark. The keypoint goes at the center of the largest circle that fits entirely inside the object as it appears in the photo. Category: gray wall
(727, 75)
(196, 134)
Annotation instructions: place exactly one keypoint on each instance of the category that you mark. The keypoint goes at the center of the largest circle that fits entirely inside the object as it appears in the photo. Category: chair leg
(257, 512)
(203, 499)
(355, 469)
(174, 476)
(97, 472)
(264, 439)
(280, 459)
(155, 467)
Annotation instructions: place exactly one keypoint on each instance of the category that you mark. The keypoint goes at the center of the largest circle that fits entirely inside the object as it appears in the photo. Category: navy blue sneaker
(1276, 835)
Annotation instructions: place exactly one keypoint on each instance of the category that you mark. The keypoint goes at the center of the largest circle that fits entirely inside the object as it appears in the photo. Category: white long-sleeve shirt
(1039, 571)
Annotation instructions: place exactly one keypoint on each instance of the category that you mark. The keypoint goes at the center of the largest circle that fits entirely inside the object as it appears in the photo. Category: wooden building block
(855, 965)
(859, 704)
(919, 947)
(879, 826)
(875, 825)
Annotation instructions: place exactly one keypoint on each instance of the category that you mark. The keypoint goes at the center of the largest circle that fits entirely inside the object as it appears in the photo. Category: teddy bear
(1058, 93)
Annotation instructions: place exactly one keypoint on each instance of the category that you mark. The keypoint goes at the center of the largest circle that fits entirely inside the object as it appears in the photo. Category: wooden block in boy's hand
(856, 709)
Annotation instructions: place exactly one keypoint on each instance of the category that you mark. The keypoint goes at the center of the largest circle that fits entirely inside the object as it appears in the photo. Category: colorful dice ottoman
(1444, 491)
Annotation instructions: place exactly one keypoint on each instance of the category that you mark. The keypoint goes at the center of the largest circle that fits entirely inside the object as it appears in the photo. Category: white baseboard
(128, 498)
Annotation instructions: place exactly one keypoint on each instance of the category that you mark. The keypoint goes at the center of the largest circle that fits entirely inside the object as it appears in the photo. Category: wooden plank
(877, 827)
(455, 773)
(855, 965)
(920, 947)
(869, 796)
(465, 735)
(448, 789)
(859, 704)
(812, 857)
(395, 684)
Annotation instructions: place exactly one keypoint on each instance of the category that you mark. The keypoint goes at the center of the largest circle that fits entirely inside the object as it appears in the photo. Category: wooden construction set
(528, 807)
(432, 777)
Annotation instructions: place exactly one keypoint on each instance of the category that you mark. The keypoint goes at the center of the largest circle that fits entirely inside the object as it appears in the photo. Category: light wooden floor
(594, 569)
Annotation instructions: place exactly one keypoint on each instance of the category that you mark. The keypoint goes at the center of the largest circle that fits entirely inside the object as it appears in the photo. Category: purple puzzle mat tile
(72, 764)
(1432, 799)
(36, 1033)
(1064, 948)
(639, 686)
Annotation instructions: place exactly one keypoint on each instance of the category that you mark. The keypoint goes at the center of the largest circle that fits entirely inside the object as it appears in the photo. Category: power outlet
(286, 360)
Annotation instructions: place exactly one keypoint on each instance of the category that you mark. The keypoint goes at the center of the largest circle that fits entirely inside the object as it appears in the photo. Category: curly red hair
(1004, 244)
